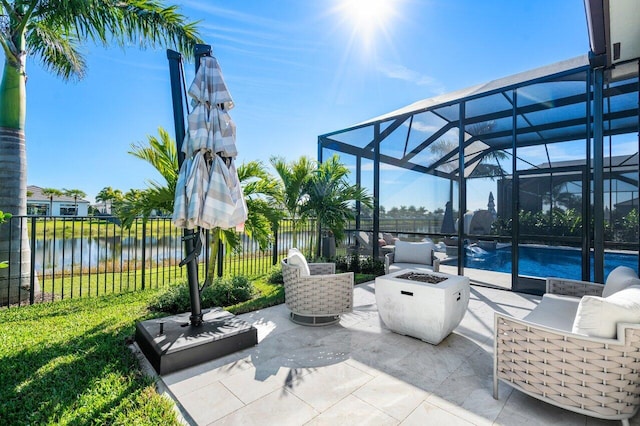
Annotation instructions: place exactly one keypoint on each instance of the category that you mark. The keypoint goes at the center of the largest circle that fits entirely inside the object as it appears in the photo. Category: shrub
(372, 266)
(354, 263)
(174, 300)
(222, 292)
(342, 263)
(226, 292)
(275, 277)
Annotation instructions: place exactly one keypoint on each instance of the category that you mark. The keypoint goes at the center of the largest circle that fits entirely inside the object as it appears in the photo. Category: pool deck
(358, 372)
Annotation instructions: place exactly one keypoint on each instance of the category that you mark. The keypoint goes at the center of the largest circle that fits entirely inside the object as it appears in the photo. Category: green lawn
(67, 363)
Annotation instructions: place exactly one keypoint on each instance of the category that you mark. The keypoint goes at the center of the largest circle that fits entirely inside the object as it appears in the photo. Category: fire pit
(427, 306)
(422, 277)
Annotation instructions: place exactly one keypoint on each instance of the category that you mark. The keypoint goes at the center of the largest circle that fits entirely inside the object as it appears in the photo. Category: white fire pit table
(410, 305)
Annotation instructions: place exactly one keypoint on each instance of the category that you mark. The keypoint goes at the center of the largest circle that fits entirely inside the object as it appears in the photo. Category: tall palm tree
(291, 193)
(75, 193)
(51, 192)
(54, 32)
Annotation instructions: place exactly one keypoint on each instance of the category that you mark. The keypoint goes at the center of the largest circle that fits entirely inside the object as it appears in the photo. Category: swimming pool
(543, 261)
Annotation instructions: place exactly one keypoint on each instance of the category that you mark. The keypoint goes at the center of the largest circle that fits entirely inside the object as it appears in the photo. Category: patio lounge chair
(365, 243)
(579, 349)
(314, 293)
(419, 256)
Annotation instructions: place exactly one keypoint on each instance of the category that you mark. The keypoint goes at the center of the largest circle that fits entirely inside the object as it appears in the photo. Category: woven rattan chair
(320, 298)
(598, 377)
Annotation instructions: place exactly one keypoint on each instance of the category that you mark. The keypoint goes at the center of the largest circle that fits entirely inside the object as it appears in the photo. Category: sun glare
(367, 17)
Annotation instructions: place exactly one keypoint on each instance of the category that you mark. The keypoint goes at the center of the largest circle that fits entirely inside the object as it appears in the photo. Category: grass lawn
(67, 363)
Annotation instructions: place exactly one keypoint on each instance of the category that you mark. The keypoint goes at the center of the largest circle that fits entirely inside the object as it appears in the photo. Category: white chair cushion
(599, 316)
(295, 258)
(555, 311)
(406, 252)
(619, 279)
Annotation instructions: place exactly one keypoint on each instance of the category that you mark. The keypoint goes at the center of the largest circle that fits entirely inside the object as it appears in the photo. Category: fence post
(220, 257)
(274, 255)
(32, 267)
(144, 252)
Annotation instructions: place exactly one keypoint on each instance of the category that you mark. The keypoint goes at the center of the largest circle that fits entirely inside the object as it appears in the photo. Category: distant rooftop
(34, 193)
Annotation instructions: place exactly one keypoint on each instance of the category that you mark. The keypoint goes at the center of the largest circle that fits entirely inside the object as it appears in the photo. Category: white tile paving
(358, 372)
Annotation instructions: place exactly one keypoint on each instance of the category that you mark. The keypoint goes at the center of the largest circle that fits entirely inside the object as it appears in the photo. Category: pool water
(543, 261)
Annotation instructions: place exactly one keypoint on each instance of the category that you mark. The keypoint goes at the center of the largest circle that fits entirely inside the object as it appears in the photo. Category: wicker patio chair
(594, 376)
(320, 298)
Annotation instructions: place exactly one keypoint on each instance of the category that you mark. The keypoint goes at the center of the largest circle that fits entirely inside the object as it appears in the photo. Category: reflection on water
(64, 253)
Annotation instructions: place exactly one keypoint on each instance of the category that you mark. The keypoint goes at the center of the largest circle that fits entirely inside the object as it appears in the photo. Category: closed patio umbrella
(208, 192)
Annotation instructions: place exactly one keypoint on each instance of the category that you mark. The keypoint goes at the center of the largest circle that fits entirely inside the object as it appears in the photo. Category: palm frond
(56, 29)
(60, 55)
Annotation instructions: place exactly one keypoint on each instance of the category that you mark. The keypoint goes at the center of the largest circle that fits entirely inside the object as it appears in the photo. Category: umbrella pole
(189, 236)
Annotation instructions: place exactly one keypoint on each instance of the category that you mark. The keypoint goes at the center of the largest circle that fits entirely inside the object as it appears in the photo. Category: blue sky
(295, 68)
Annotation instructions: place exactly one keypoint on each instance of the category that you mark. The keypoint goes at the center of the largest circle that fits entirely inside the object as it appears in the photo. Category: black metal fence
(74, 257)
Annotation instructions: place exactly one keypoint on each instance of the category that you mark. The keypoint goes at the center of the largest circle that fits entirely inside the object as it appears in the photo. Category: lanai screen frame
(606, 119)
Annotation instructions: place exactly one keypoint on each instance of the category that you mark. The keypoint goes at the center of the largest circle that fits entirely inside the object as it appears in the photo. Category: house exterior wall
(60, 208)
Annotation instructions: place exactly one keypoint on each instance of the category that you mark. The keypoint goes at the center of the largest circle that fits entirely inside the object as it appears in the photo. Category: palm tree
(161, 154)
(54, 32)
(108, 195)
(75, 193)
(330, 197)
(260, 189)
(51, 192)
(291, 193)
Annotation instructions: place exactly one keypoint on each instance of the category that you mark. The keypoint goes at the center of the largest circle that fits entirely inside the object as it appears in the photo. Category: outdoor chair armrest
(322, 268)
(330, 294)
(388, 261)
(574, 288)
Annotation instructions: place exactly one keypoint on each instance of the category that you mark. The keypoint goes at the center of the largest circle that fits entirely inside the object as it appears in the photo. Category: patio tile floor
(359, 372)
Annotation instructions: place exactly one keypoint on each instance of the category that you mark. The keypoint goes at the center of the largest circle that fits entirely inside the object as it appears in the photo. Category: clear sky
(295, 68)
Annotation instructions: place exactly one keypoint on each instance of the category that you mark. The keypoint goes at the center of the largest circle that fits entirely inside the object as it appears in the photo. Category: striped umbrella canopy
(208, 192)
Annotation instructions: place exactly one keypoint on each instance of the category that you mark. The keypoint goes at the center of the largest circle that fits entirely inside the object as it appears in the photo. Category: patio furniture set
(579, 349)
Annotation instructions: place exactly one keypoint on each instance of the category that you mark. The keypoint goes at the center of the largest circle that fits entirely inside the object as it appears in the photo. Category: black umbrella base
(171, 343)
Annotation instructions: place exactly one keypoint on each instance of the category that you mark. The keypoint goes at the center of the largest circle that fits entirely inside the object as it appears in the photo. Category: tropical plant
(330, 197)
(628, 227)
(158, 197)
(162, 155)
(75, 193)
(292, 188)
(51, 192)
(110, 196)
(259, 190)
(54, 32)
(557, 222)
